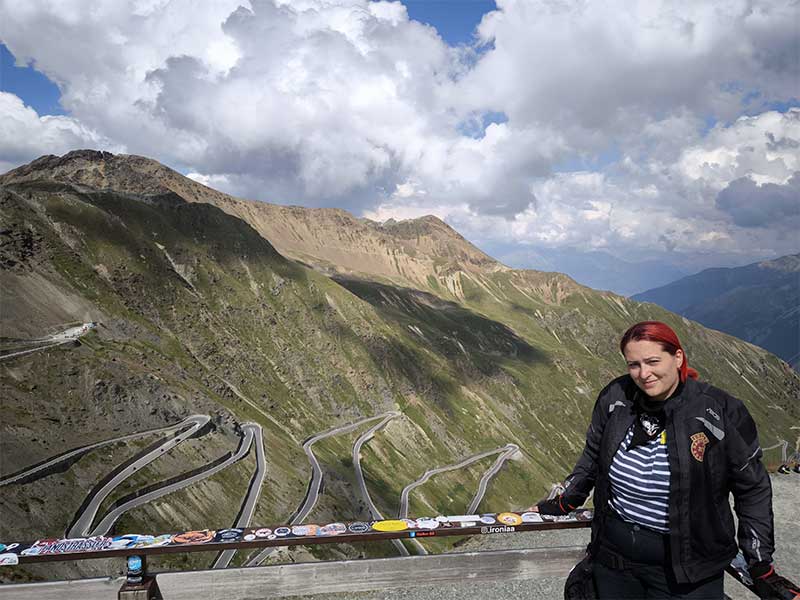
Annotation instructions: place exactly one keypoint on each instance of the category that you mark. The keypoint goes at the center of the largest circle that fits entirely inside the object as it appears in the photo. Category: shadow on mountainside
(135, 221)
(473, 346)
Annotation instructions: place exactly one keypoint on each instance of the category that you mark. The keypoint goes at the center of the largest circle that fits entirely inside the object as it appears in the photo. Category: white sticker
(9, 559)
(531, 517)
(462, 518)
(424, 523)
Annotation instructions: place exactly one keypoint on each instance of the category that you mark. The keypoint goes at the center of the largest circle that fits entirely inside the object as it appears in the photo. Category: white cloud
(350, 103)
(765, 147)
(24, 135)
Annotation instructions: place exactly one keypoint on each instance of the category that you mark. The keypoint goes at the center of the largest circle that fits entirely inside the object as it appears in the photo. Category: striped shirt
(640, 482)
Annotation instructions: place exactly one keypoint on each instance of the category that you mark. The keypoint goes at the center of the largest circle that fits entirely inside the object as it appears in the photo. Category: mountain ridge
(759, 302)
(331, 239)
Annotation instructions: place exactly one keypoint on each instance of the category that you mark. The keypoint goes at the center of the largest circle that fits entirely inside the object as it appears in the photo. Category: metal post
(138, 584)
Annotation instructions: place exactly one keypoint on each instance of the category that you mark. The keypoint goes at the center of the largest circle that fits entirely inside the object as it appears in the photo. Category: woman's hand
(557, 506)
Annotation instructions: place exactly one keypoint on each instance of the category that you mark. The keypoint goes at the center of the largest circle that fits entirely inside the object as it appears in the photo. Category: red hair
(661, 333)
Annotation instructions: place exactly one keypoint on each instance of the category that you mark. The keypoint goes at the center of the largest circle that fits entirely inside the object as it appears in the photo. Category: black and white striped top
(640, 482)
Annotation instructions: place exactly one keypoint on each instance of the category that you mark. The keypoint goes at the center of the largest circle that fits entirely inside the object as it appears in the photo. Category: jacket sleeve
(581, 481)
(750, 484)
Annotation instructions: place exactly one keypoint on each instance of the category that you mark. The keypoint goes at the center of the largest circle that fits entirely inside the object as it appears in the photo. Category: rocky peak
(406, 252)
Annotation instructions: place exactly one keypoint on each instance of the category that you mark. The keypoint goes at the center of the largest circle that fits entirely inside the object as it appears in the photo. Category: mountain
(596, 269)
(759, 303)
(297, 321)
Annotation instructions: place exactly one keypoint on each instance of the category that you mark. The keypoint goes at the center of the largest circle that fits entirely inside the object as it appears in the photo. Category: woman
(663, 452)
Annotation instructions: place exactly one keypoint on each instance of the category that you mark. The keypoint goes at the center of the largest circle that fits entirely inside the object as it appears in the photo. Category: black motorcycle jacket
(713, 452)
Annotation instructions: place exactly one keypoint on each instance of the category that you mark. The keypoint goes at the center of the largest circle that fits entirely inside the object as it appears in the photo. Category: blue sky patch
(455, 20)
(33, 87)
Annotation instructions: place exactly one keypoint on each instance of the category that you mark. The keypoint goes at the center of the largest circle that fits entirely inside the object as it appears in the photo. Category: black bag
(580, 581)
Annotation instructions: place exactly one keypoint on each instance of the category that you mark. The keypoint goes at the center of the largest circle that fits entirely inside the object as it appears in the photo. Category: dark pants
(646, 573)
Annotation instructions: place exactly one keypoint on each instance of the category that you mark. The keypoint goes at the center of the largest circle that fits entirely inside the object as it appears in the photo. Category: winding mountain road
(487, 476)
(77, 451)
(783, 444)
(316, 471)
(251, 431)
(83, 523)
(253, 492)
(362, 484)
(57, 339)
(506, 450)
(312, 494)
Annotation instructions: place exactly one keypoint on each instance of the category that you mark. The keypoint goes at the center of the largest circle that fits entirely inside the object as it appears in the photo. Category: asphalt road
(316, 476)
(251, 430)
(487, 476)
(316, 470)
(68, 455)
(63, 337)
(83, 523)
(507, 451)
(253, 492)
(362, 484)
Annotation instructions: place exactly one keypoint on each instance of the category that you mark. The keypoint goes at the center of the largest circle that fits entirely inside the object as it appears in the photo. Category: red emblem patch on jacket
(699, 443)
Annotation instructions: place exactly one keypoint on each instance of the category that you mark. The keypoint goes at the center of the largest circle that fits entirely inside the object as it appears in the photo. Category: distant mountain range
(299, 321)
(596, 269)
(759, 303)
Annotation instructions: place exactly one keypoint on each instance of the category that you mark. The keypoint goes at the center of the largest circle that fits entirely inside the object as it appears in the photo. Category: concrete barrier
(323, 577)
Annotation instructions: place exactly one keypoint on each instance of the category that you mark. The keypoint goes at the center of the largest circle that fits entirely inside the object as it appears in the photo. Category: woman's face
(652, 368)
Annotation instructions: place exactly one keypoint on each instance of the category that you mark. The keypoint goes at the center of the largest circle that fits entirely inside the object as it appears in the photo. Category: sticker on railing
(508, 518)
(301, 533)
(390, 525)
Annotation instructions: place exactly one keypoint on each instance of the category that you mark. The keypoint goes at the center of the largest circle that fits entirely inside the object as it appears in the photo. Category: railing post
(138, 584)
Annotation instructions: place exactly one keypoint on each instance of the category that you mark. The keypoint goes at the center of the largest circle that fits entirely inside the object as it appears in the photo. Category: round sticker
(425, 523)
(135, 565)
(249, 537)
(358, 527)
(229, 535)
(390, 525)
(531, 517)
(282, 531)
(488, 520)
(193, 537)
(263, 532)
(508, 518)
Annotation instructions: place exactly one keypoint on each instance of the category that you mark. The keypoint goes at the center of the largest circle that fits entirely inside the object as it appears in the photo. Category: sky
(658, 131)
